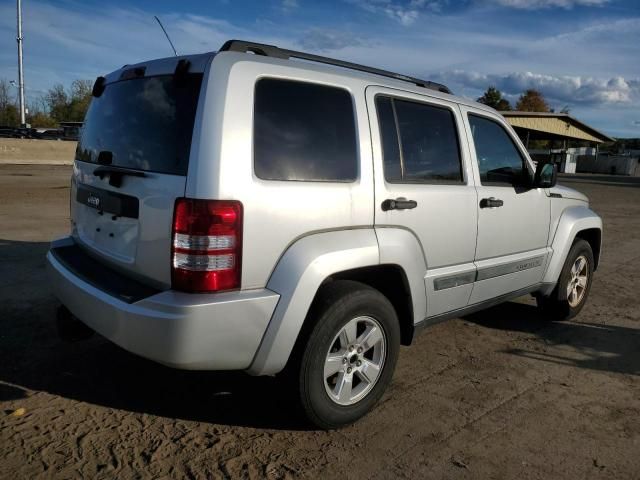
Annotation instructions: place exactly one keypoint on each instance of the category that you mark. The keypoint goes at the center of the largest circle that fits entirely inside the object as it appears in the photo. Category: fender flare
(399, 246)
(572, 221)
(297, 277)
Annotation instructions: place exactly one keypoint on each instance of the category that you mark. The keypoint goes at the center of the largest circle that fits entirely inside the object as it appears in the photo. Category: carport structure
(561, 131)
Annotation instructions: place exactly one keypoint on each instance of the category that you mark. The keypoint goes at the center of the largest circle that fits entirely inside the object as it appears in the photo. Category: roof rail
(276, 52)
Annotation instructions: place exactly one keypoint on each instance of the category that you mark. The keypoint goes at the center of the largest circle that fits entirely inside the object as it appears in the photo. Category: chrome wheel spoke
(344, 385)
(333, 364)
(371, 337)
(577, 285)
(569, 289)
(369, 371)
(348, 334)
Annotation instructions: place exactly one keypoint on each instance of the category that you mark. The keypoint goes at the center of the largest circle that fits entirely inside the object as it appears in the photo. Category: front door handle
(398, 204)
(491, 202)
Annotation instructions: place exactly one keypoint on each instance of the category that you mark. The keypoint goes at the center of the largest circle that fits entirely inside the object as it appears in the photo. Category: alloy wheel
(355, 360)
(577, 285)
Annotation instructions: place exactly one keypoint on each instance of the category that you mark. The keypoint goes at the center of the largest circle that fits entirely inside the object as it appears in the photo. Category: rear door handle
(398, 204)
(491, 202)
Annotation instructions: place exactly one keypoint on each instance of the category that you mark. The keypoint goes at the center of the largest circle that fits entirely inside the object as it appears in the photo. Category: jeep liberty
(266, 210)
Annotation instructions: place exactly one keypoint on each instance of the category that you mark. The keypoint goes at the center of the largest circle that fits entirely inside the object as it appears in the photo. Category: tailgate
(128, 227)
(131, 165)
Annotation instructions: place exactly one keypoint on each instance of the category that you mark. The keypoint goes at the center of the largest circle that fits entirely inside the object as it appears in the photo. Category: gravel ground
(499, 394)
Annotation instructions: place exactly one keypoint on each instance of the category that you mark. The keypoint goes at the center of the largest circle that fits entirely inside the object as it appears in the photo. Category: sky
(581, 54)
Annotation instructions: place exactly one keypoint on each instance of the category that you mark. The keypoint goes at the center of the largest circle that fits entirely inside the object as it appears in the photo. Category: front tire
(350, 354)
(574, 284)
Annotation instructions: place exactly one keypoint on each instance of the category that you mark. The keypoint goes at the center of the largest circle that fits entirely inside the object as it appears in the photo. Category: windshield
(142, 123)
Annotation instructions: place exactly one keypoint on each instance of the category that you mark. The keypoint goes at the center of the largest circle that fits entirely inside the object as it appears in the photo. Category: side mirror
(546, 175)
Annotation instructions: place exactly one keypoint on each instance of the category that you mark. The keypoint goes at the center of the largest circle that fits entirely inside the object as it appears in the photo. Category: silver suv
(266, 210)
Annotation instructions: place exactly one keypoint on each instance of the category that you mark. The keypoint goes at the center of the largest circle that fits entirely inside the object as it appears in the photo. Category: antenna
(166, 35)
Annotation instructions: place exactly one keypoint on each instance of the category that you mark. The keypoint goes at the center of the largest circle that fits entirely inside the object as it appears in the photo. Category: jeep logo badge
(93, 201)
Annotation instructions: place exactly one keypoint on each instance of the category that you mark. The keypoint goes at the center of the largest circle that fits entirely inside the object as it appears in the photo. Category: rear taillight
(207, 245)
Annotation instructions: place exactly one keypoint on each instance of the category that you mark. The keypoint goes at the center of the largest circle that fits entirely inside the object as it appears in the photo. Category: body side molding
(461, 312)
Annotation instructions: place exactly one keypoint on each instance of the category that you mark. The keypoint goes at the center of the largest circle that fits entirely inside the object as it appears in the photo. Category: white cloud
(602, 31)
(559, 90)
(321, 39)
(405, 13)
(288, 5)
(538, 4)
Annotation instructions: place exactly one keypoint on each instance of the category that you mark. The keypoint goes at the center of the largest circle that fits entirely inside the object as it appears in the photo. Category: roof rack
(276, 52)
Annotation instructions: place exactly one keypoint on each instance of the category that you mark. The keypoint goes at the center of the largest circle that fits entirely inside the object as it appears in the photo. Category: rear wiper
(116, 174)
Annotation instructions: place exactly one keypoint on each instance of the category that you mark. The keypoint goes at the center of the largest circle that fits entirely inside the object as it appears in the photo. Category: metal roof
(556, 124)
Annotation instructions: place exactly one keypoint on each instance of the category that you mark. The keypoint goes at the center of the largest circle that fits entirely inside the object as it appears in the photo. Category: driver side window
(499, 160)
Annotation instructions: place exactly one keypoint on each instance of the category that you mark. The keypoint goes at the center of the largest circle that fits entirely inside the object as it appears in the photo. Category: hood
(567, 192)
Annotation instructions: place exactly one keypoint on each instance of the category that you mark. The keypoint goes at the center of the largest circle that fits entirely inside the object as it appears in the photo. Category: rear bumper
(219, 331)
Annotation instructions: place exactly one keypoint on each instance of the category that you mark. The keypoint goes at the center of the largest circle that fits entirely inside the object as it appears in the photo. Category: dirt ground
(499, 394)
(30, 151)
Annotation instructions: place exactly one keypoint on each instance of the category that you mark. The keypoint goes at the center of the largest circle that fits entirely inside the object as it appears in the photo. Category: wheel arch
(593, 236)
(324, 257)
(390, 280)
(575, 222)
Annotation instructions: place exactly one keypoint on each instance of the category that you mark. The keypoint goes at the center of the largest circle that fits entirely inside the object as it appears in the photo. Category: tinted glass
(499, 161)
(304, 131)
(428, 142)
(142, 123)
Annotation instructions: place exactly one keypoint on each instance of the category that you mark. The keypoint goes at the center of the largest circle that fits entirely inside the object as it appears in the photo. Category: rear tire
(350, 354)
(574, 284)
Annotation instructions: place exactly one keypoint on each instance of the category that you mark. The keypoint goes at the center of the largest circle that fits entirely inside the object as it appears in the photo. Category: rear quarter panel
(276, 213)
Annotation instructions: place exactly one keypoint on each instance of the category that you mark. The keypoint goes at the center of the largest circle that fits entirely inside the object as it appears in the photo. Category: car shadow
(579, 344)
(33, 358)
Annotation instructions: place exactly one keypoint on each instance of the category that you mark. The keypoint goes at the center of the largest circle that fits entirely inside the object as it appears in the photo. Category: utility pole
(23, 121)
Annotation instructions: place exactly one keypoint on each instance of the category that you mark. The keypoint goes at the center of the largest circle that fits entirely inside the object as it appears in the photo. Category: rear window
(304, 131)
(142, 123)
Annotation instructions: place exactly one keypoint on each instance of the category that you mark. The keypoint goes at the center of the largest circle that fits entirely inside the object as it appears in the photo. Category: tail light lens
(207, 245)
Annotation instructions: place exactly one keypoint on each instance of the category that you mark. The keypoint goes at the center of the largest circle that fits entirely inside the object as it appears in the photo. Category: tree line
(530, 101)
(58, 104)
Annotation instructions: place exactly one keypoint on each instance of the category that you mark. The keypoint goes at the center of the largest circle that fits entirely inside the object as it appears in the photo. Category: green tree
(37, 114)
(493, 98)
(58, 103)
(9, 115)
(71, 105)
(532, 101)
(79, 98)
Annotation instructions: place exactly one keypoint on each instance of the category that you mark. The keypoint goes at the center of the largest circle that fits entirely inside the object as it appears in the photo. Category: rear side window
(142, 123)
(304, 131)
(419, 142)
